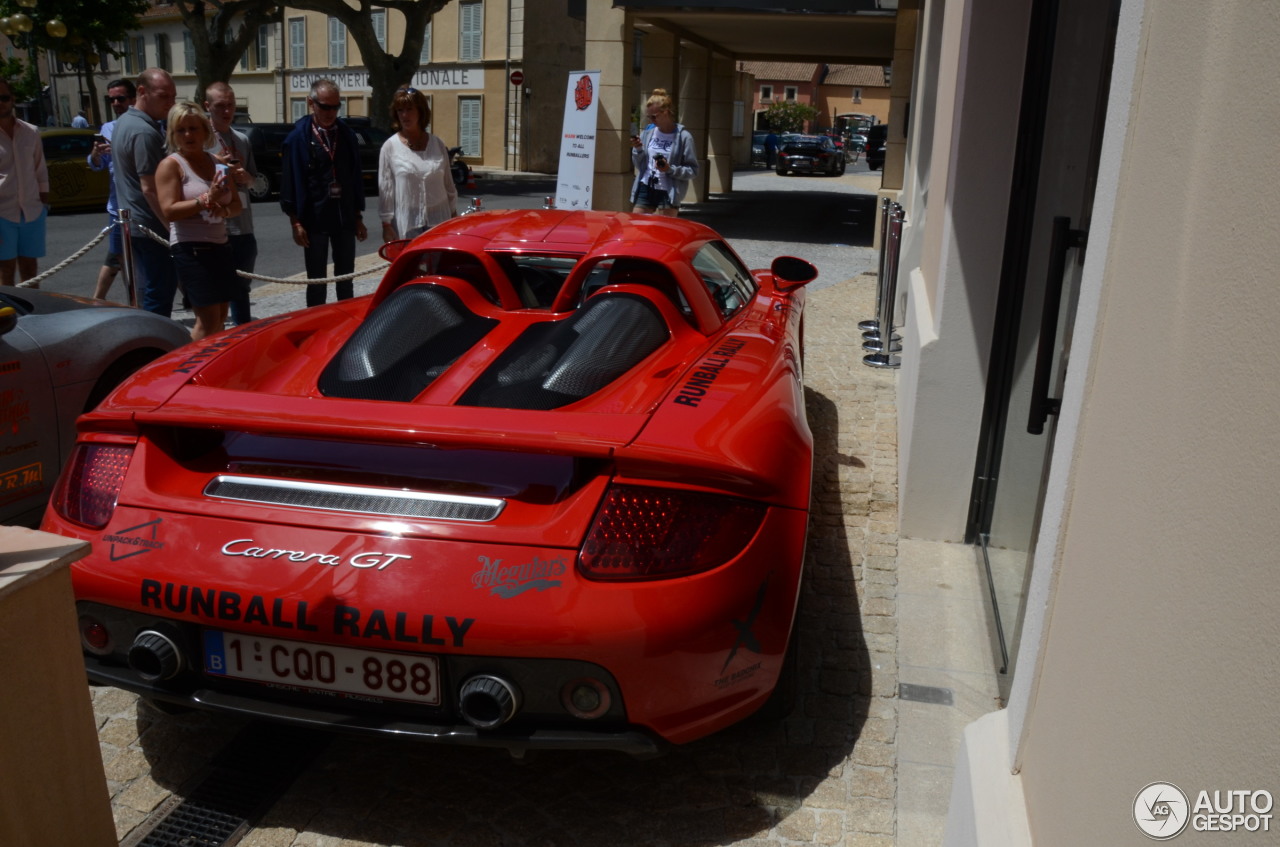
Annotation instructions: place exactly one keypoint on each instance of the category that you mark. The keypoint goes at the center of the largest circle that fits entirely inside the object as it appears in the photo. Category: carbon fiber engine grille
(355, 498)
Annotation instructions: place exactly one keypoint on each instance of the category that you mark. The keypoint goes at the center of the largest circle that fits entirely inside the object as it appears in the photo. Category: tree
(387, 72)
(79, 32)
(221, 32)
(789, 116)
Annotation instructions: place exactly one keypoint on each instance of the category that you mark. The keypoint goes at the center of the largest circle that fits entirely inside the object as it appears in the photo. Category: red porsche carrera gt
(547, 487)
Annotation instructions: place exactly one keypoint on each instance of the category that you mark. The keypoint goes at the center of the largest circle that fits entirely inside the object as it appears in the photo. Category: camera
(660, 160)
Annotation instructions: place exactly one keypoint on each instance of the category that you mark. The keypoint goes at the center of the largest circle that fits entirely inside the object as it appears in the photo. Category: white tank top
(205, 227)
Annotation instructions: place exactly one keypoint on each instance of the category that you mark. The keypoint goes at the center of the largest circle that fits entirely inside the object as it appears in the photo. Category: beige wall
(1160, 658)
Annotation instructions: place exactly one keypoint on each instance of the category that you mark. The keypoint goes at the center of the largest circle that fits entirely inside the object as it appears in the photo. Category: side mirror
(392, 249)
(790, 272)
(8, 319)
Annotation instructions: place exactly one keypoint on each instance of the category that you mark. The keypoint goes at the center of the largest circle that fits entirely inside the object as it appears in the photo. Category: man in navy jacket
(322, 191)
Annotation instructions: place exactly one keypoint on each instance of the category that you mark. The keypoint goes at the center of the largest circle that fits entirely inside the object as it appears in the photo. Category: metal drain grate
(239, 786)
(926, 694)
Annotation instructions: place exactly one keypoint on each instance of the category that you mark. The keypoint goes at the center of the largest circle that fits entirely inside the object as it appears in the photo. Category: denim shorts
(652, 198)
(206, 272)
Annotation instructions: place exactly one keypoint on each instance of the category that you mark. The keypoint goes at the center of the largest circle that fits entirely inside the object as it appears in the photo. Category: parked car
(59, 356)
(877, 137)
(267, 141)
(546, 487)
(72, 184)
(759, 156)
(810, 154)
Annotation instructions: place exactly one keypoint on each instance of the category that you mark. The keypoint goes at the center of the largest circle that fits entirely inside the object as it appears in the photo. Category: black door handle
(1042, 405)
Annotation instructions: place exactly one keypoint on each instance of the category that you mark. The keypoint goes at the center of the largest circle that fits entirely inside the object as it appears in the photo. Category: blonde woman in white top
(415, 185)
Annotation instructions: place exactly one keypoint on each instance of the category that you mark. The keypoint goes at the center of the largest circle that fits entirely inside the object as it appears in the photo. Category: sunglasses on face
(407, 91)
(124, 99)
(328, 107)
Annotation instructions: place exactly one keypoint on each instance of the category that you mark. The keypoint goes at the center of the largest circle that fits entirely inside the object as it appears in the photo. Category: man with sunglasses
(322, 190)
(24, 192)
(121, 94)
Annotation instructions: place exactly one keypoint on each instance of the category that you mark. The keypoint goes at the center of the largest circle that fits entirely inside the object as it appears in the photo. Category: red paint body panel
(277, 470)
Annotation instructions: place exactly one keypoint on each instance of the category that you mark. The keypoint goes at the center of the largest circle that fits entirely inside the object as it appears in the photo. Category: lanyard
(331, 150)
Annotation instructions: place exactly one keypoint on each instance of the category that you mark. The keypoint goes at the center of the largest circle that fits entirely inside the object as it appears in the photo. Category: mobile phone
(233, 162)
(99, 139)
(659, 160)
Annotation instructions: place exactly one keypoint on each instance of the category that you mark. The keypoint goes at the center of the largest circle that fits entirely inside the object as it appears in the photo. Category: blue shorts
(22, 239)
(652, 198)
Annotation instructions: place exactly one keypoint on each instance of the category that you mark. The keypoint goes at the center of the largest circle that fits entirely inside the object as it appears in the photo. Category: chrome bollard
(885, 351)
(873, 324)
(548, 202)
(476, 204)
(126, 257)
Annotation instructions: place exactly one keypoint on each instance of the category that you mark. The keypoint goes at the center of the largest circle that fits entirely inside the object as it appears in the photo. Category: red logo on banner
(582, 93)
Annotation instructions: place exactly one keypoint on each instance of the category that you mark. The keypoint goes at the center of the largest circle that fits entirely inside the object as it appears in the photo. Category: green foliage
(93, 26)
(15, 71)
(789, 116)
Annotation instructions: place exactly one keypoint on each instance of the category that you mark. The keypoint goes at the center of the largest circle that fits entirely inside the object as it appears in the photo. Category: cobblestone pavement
(825, 775)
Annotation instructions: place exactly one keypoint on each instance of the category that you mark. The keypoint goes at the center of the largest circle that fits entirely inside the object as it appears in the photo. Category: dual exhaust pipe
(484, 701)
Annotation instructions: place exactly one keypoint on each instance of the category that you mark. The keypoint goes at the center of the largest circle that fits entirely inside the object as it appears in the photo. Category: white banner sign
(427, 79)
(578, 142)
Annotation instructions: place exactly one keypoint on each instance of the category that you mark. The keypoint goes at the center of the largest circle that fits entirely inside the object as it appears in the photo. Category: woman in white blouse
(415, 186)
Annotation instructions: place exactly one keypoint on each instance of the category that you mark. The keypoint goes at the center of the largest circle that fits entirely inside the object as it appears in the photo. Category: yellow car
(72, 185)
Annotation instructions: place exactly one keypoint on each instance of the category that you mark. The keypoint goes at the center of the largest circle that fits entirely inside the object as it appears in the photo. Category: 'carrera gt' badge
(364, 561)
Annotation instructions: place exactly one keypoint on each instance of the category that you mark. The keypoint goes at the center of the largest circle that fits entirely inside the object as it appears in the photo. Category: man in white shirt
(24, 191)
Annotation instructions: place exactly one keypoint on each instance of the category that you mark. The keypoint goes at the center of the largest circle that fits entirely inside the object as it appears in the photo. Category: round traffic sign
(517, 77)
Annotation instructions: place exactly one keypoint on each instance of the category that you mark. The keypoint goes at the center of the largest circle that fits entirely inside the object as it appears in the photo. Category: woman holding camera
(197, 196)
(664, 160)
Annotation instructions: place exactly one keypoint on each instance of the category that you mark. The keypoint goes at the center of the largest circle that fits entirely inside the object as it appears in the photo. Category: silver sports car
(60, 356)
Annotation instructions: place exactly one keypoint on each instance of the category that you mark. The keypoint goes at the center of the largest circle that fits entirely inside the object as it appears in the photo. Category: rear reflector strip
(355, 498)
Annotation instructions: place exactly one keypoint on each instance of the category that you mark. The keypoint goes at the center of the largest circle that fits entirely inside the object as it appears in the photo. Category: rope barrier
(35, 281)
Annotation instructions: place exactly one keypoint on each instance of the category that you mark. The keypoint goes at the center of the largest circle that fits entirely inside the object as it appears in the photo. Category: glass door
(1055, 170)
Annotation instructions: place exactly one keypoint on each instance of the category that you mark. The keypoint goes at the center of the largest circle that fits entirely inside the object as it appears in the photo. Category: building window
(425, 57)
(163, 59)
(857, 95)
(188, 53)
(378, 18)
(297, 108)
(469, 125)
(471, 31)
(337, 43)
(766, 93)
(139, 54)
(264, 38)
(297, 42)
(789, 93)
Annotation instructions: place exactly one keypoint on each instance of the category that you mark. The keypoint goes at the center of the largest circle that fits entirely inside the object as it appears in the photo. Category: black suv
(267, 141)
(877, 136)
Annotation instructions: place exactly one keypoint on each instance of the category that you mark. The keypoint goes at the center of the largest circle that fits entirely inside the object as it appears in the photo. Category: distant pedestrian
(137, 149)
(322, 190)
(80, 121)
(771, 149)
(232, 149)
(24, 192)
(664, 158)
(197, 196)
(121, 94)
(415, 184)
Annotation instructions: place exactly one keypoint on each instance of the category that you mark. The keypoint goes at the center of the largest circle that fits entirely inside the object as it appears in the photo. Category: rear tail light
(88, 488)
(658, 533)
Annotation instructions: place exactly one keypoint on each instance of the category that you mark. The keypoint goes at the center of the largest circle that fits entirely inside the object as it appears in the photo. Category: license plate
(368, 673)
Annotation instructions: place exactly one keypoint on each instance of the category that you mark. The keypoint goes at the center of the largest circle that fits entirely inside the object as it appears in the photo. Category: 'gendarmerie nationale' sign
(443, 78)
